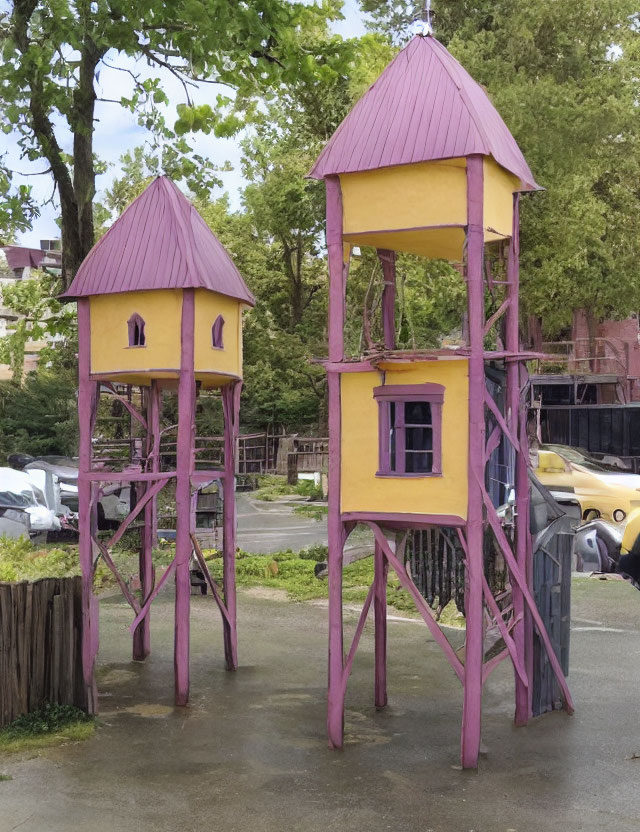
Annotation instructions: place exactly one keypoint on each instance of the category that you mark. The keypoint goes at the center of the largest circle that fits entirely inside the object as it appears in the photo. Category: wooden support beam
(474, 650)
(184, 469)
(132, 410)
(497, 315)
(152, 492)
(422, 606)
(356, 638)
(215, 589)
(520, 580)
(381, 569)
(493, 407)
(504, 632)
(125, 476)
(106, 557)
(231, 409)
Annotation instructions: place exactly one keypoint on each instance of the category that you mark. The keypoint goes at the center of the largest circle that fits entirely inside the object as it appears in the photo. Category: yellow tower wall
(161, 311)
(422, 208)
(110, 350)
(361, 489)
(209, 359)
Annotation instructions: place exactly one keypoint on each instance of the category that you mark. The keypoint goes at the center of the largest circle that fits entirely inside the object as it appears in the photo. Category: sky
(117, 131)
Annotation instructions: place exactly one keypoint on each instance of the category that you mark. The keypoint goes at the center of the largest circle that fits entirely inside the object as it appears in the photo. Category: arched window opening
(216, 333)
(136, 331)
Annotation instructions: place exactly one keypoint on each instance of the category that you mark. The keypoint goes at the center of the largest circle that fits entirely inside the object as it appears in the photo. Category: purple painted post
(335, 704)
(184, 467)
(512, 344)
(86, 408)
(142, 634)
(381, 568)
(388, 262)
(472, 699)
(231, 407)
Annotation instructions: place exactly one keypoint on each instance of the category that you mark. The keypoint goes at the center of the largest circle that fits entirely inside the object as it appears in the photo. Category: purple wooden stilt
(335, 710)
(184, 467)
(512, 344)
(381, 568)
(388, 262)
(231, 407)
(472, 699)
(86, 408)
(149, 537)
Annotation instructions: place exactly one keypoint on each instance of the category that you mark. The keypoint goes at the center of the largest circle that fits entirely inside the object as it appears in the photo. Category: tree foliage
(52, 53)
(564, 77)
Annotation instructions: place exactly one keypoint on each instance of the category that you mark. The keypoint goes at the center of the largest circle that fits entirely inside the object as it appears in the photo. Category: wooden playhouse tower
(159, 307)
(424, 164)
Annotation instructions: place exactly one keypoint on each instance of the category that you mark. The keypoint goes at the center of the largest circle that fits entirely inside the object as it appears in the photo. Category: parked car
(114, 504)
(19, 495)
(601, 490)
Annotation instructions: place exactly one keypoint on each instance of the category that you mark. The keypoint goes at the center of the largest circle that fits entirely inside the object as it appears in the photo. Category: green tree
(564, 77)
(52, 53)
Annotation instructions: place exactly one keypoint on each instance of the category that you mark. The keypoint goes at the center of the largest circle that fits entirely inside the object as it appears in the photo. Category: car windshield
(579, 457)
(17, 499)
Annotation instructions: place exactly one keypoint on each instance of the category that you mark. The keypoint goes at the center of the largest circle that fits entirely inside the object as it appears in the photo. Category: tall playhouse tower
(159, 308)
(424, 164)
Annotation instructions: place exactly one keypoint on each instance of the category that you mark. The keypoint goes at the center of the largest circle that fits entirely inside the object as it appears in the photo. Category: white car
(19, 494)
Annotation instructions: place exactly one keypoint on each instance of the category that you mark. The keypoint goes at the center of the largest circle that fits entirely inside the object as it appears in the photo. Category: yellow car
(601, 490)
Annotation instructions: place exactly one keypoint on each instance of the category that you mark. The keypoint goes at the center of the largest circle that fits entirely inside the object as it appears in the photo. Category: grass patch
(4, 778)
(271, 487)
(294, 573)
(314, 512)
(50, 725)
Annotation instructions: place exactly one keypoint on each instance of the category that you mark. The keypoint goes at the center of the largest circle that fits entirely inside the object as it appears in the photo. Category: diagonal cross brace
(149, 494)
(106, 557)
(504, 631)
(209, 578)
(421, 604)
(140, 418)
(356, 638)
(520, 581)
(144, 609)
(493, 407)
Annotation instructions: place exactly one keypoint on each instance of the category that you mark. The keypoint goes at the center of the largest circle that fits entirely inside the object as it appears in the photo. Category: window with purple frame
(410, 426)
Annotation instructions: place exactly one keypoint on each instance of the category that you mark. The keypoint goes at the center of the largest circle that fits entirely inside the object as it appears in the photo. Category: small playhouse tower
(424, 164)
(160, 308)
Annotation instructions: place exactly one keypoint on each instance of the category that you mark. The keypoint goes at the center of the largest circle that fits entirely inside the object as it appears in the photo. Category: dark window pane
(418, 462)
(419, 439)
(392, 436)
(417, 413)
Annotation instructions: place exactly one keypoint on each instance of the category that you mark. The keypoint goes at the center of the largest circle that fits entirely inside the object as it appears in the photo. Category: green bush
(46, 720)
(20, 560)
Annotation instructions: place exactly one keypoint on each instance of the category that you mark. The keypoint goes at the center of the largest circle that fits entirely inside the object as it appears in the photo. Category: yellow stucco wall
(361, 490)
(110, 350)
(384, 208)
(208, 305)
(160, 357)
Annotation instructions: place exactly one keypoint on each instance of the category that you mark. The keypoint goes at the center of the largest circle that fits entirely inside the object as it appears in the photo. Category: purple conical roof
(423, 107)
(159, 242)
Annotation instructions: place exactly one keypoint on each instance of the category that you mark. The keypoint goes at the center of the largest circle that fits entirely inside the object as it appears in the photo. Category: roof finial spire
(422, 21)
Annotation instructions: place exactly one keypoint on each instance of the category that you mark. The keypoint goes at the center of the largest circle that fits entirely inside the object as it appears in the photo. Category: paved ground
(269, 527)
(250, 753)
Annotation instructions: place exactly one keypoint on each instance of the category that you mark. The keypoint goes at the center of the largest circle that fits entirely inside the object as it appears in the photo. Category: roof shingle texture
(159, 242)
(425, 106)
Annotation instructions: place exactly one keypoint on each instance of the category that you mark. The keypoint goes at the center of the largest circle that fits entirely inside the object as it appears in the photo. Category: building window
(216, 333)
(136, 331)
(410, 425)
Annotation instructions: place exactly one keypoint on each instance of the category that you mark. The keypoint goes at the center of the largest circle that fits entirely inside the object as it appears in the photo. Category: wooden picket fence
(40, 646)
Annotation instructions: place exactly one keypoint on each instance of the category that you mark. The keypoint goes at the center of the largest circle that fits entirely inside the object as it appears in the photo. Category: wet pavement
(270, 527)
(250, 752)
